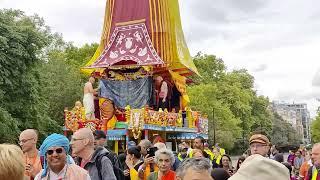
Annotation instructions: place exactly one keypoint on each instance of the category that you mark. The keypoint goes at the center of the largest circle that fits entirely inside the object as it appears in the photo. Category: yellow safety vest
(222, 151)
(218, 159)
(179, 157)
(314, 174)
(211, 155)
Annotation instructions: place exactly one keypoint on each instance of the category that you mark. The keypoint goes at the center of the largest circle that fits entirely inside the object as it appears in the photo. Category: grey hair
(196, 164)
(146, 143)
(165, 152)
(160, 145)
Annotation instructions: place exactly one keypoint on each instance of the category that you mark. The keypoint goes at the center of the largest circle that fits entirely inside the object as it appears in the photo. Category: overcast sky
(277, 41)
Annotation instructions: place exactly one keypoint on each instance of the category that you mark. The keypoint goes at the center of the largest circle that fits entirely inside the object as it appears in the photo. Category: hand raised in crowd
(147, 160)
(129, 162)
(126, 172)
(30, 170)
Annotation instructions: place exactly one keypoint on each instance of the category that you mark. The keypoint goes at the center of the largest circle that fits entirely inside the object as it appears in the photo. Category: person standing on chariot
(88, 98)
(163, 93)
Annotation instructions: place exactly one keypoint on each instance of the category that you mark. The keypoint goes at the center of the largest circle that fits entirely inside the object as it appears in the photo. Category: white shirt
(54, 176)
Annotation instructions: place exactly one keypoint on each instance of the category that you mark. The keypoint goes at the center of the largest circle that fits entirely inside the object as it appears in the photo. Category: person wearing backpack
(94, 161)
(313, 172)
(100, 140)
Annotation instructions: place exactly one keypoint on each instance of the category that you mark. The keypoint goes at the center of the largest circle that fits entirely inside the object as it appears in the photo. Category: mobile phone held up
(151, 151)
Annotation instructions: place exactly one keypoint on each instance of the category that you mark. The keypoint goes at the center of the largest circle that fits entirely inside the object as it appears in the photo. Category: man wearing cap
(100, 138)
(259, 144)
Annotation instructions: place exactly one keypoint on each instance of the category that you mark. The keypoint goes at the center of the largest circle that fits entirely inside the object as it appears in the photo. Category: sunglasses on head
(58, 151)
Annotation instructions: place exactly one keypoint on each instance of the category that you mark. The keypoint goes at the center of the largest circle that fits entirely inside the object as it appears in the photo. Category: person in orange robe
(107, 111)
(28, 141)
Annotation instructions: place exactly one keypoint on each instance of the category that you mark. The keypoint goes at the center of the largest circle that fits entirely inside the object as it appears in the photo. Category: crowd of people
(85, 157)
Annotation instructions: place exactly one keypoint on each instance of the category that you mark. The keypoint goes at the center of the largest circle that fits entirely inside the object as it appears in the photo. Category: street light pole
(214, 127)
(243, 133)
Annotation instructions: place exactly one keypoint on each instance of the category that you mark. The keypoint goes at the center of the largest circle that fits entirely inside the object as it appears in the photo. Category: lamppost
(214, 127)
(243, 132)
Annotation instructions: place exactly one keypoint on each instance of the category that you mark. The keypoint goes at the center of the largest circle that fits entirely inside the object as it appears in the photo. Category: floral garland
(136, 120)
(179, 121)
(203, 124)
(73, 117)
(122, 76)
(190, 117)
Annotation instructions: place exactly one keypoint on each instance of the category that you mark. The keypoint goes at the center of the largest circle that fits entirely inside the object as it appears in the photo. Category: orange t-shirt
(171, 175)
(304, 169)
(35, 162)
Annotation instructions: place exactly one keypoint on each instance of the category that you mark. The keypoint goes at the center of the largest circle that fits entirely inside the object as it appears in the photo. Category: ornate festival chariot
(141, 40)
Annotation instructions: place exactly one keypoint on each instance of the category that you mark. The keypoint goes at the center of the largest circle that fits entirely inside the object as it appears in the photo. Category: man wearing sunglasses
(28, 141)
(57, 163)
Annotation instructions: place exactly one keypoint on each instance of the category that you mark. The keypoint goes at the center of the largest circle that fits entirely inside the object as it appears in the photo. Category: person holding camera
(148, 153)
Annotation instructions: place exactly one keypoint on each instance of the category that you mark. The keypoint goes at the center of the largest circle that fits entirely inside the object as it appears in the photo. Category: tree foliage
(22, 40)
(239, 111)
(315, 129)
(283, 133)
(61, 77)
(39, 75)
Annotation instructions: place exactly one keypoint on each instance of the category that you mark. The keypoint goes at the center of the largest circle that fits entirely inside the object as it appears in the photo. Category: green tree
(22, 41)
(203, 98)
(9, 127)
(62, 82)
(283, 133)
(261, 115)
(78, 57)
(39, 75)
(315, 129)
(210, 68)
(238, 109)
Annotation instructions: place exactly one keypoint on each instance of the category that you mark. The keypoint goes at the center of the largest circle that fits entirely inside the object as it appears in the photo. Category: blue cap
(131, 144)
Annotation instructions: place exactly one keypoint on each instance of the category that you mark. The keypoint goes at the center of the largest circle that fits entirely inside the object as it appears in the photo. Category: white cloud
(280, 35)
(79, 21)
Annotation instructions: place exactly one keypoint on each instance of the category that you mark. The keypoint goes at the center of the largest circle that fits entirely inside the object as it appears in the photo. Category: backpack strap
(99, 164)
